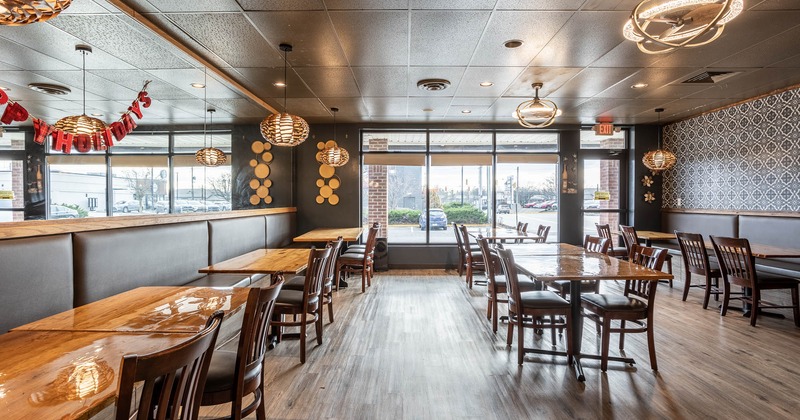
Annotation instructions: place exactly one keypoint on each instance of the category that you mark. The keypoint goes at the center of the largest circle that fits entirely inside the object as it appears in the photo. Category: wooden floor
(417, 345)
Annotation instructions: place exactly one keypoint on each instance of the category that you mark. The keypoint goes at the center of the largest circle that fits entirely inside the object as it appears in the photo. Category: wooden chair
(497, 282)
(738, 267)
(542, 231)
(630, 238)
(298, 282)
(462, 258)
(604, 231)
(591, 244)
(233, 375)
(636, 305)
(528, 309)
(521, 227)
(695, 261)
(362, 247)
(359, 262)
(305, 303)
(173, 379)
(474, 259)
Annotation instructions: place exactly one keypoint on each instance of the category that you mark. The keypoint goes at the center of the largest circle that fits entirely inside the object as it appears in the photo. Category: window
(138, 183)
(527, 191)
(198, 187)
(590, 140)
(394, 141)
(394, 192)
(527, 142)
(460, 193)
(141, 143)
(77, 182)
(11, 192)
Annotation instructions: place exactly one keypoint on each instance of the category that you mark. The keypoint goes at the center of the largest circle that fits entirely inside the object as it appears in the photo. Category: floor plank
(418, 345)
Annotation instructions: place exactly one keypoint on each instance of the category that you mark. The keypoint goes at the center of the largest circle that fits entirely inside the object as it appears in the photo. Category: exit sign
(604, 129)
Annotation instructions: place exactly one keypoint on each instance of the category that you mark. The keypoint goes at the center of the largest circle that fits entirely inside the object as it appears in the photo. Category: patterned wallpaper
(745, 157)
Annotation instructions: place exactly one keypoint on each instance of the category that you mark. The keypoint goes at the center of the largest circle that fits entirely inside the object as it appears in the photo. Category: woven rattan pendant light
(209, 156)
(659, 160)
(335, 156)
(81, 124)
(284, 129)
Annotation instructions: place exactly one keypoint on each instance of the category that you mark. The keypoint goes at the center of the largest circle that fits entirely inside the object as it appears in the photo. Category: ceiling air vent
(49, 89)
(433, 84)
(710, 77)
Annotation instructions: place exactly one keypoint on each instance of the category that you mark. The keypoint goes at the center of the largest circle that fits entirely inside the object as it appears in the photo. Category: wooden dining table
(272, 261)
(330, 234)
(758, 250)
(551, 248)
(496, 234)
(575, 268)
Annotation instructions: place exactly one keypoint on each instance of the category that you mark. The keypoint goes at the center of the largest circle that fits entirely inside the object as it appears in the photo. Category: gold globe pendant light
(659, 160)
(210, 156)
(284, 129)
(81, 124)
(24, 12)
(335, 156)
(537, 113)
(661, 26)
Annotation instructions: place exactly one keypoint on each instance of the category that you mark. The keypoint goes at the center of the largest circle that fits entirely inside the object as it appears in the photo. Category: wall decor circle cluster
(328, 182)
(260, 183)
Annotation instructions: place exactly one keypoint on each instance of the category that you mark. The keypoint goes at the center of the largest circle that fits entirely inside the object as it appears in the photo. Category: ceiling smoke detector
(49, 89)
(433, 84)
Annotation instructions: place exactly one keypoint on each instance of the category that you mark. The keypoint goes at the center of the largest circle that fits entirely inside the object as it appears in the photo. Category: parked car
(531, 204)
(503, 209)
(183, 206)
(438, 219)
(162, 207)
(591, 204)
(548, 205)
(62, 212)
(126, 206)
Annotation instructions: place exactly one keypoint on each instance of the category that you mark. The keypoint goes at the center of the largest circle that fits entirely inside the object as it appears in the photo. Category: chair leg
(469, 275)
(520, 341)
(495, 315)
(336, 276)
(303, 339)
(669, 269)
(569, 337)
(604, 343)
(796, 306)
(687, 285)
(330, 308)
(489, 306)
(651, 345)
(754, 306)
(318, 327)
(726, 298)
(261, 410)
(707, 293)
(552, 330)
(622, 335)
(510, 334)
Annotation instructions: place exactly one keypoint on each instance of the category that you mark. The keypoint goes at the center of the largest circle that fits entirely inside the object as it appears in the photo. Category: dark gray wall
(281, 170)
(643, 215)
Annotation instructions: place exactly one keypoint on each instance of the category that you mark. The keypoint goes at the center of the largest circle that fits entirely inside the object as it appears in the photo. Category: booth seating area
(44, 274)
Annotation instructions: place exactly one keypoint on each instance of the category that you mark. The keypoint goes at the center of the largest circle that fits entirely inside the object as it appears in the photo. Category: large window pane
(527, 142)
(138, 182)
(527, 193)
(140, 143)
(11, 190)
(11, 140)
(395, 196)
(455, 141)
(77, 186)
(199, 188)
(601, 192)
(590, 140)
(461, 192)
(384, 141)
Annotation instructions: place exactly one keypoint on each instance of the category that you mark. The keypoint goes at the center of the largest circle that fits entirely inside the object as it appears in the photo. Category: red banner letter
(119, 130)
(108, 139)
(135, 109)
(144, 99)
(14, 112)
(62, 141)
(83, 143)
(40, 130)
(129, 122)
(3, 97)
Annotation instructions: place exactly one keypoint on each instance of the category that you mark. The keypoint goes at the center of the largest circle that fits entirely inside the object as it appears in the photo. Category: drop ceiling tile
(594, 107)
(19, 56)
(304, 107)
(84, 7)
(674, 91)
(6, 66)
(95, 86)
(194, 6)
(260, 81)
(373, 38)
(552, 78)
(386, 106)
(507, 25)
(502, 77)
(748, 85)
(462, 4)
(134, 80)
(792, 62)
(477, 102)
(183, 78)
(539, 4)
(348, 107)
(627, 5)
(638, 106)
(310, 33)
(452, 74)
(366, 4)
(655, 77)
(239, 44)
(745, 31)
(592, 81)
(586, 37)
(18, 80)
(114, 35)
(431, 47)
(776, 5)
(281, 4)
(170, 27)
(678, 107)
(475, 111)
(626, 54)
(329, 81)
(240, 107)
(438, 105)
(382, 81)
(766, 53)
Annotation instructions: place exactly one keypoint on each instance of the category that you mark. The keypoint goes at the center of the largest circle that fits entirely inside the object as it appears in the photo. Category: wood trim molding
(733, 212)
(31, 228)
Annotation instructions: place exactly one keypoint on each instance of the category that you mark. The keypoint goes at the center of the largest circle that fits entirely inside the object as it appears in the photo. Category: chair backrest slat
(629, 236)
(736, 261)
(255, 330)
(542, 231)
(693, 251)
(512, 279)
(649, 257)
(315, 277)
(596, 244)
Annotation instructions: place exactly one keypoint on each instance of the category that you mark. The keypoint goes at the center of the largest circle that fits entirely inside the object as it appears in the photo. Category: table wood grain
(758, 250)
(147, 309)
(264, 261)
(545, 249)
(65, 374)
(331, 234)
(589, 266)
(501, 233)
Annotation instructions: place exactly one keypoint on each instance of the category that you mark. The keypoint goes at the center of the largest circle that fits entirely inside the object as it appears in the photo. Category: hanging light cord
(211, 128)
(83, 53)
(286, 87)
(334, 125)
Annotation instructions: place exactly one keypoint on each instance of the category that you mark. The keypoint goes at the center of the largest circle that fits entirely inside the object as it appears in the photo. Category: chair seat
(292, 297)
(614, 302)
(524, 286)
(543, 299)
(352, 256)
(294, 283)
(221, 370)
(476, 254)
(776, 282)
(565, 285)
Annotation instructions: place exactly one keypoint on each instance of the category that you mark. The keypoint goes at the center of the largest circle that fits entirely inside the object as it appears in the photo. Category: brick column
(377, 199)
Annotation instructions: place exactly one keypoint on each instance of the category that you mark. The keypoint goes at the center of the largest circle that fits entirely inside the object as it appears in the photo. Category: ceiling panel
(654, 77)
(134, 80)
(461, 4)
(419, 105)
(180, 6)
(552, 78)
(348, 107)
(539, 4)
(373, 38)
(453, 74)
(310, 33)
(431, 47)
(502, 77)
(591, 81)
(23, 57)
(281, 4)
(386, 106)
(764, 53)
(586, 37)
(329, 81)
(534, 28)
(382, 81)
(183, 78)
(261, 81)
(366, 4)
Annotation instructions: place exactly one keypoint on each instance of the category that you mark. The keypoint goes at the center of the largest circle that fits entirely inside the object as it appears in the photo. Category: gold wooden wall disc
(267, 157)
(253, 163)
(257, 147)
(262, 191)
(329, 144)
(267, 145)
(335, 183)
(320, 145)
(268, 199)
(267, 183)
(326, 171)
(254, 200)
(255, 183)
(333, 199)
(325, 191)
(320, 183)
(319, 199)
(262, 170)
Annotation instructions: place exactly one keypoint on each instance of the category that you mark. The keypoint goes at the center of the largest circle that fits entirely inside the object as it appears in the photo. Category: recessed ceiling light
(97, 114)
(513, 43)
(639, 86)
(198, 85)
(466, 111)
(486, 84)
(279, 84)
(427, 109)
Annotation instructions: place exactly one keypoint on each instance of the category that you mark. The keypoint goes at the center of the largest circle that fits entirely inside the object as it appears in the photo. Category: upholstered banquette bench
(44, 274)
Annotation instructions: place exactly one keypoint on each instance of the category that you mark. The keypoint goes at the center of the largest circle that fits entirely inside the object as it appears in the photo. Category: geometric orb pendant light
(660, 26)
(81, 124)
(659, 160)
(537, 113)
(284, 129)
(335, 156)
